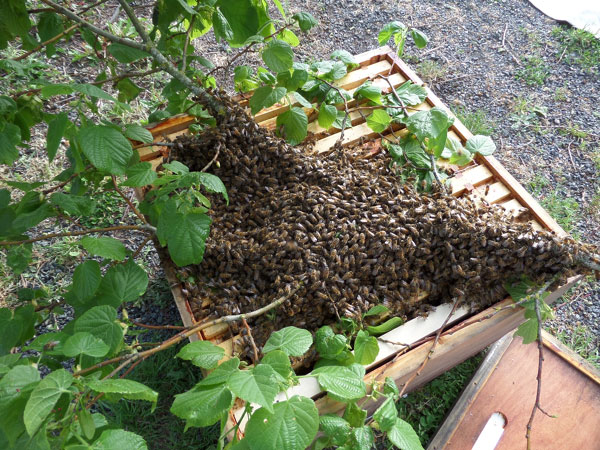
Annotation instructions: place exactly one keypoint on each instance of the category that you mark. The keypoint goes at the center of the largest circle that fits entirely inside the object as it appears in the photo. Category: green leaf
(403, 436)
(221, 26)
(528, 330)
(49, 26)
(355, 415)
(10, 137)
(294, 123)
(453, 145)
(389, 30)
(126, 388)
(203, 354)
(292, 425)
(379, 120)
(386, 326)
(390, 388)
(345, 57)
(210, 182)
(362, 438)
(101, 321)
(56, 89)
(289, 36)
(86, 422)
(411, 94)
(247, 18)
(185, 236)
(419, 37)
(125, 54)
(7, 106)
(481, 144)
(106, 148)
(119, 440)
(56, 131)
(86, 280)
(280, 362)
(291, 340)
(75, 205)
(140, 174)
(278, 56)
(15, 381)
(121, 283)
(18, 258)
(370, 92)
(327, 115)
(256, 385)
(461, 157)
(293, 79)
(335, 427)
(376, 310)
(43, 398)
(176, 167)
(341, 383)
(138, 133)
(328, 344)
(386, 415)
(203, 406)
(105, 247)
(366, 348)
(93, 91)
(431, 125)
(221, 374)
(84, 343)
(128, 90)
(302, 100)
(24, 221)
(265, 96)
(305, 20)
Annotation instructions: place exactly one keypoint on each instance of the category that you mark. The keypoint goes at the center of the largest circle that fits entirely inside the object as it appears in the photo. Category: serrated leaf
(221, 26)
(403, 436)
(203, 354)
(265, 96)
(386, 326)
(119, 440)
(419, 38)
(56, 131)
(125, 388)
(341, 383)
(528, 330)
(210, 182)
(278, 55)
(18, 258)
(328, 344)
(74, 204)
(376, 311)
(386, 415)
(355, 415)
(185, 236)
(256, 385)
(125, 54)
(84, 343)
(122, 283)
(337, 428)
(431, 125)
(280, 362)
(49, 26)
(106, 148)
(128, 90)
(390, 29)
(101, 321)
(291, 340)
(411, 94)
(93, 91)
(370, 92)
(327, 115)
(460, 157)
(293, 79)
(14, 381)
(292, 425)
(294, 123)
(10, 137)
(204, 406)
(140, 174)
(105, 247)
(345, 57)
(86, 280)
(366, 348)
(302, 100)
(481, 144)
(290, 37)
(305, 20)
(86, 423)
(222, 373)
(362, 438)
(138, 133)
(390, 388)
(379, 120)
(43, 398)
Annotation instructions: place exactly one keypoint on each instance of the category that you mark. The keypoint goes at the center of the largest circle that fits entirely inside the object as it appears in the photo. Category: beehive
(485, 179)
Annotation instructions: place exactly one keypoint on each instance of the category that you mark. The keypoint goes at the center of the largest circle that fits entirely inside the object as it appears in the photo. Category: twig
(570, 154)
(431, 350)
(64, 183)
(346, 110)
(435, 171)
(537, 405)
(189, 331)
(214, 158)
(157, 327)
(128, 201)
(140, 247)
(46, 43)
(254, 349)
(187, 43)
(506, 48)
(144, 228)
(504, 34)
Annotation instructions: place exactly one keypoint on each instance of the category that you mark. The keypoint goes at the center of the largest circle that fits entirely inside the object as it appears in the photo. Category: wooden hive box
(485, 179)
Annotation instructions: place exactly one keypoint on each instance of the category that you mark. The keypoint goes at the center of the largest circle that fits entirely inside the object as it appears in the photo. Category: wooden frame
(485, 179)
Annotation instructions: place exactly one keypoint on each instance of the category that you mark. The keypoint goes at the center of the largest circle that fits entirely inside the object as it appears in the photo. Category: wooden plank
(468, 179)
(485, 370)
(566, 393)
(492, 193)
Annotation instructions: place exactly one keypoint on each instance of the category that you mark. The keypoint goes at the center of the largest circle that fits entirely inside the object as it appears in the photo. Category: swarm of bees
(345, 235)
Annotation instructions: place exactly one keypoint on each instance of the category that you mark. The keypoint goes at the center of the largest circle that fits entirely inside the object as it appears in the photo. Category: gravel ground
(472, 62)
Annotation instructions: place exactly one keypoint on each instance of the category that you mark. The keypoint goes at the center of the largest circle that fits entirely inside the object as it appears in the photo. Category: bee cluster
(345, 235)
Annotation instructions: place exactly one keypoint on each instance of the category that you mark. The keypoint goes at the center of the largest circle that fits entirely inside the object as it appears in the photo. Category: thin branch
(46, 43)
(187, 43)
(130, 358)
(129, 202)
(143, 228)
(346, 110)
(67, 181)
(431, 350)
(254, 349)
(157, 327)
(214, 158)
(141, 247)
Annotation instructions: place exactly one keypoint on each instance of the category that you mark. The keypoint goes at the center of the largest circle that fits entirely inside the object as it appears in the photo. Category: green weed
(565, 210)
(582, 341)
(534, 71)
(431, 71)
(525, 113)
(476, 121)
(561, 94)
(578, 46)
(426, 408)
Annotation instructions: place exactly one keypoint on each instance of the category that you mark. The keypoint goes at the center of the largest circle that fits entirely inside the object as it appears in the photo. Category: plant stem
(129, 202)
(46, 43)
(145, 228)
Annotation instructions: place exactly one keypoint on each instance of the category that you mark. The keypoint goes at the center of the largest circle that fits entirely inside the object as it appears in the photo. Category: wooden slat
(469, 179)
